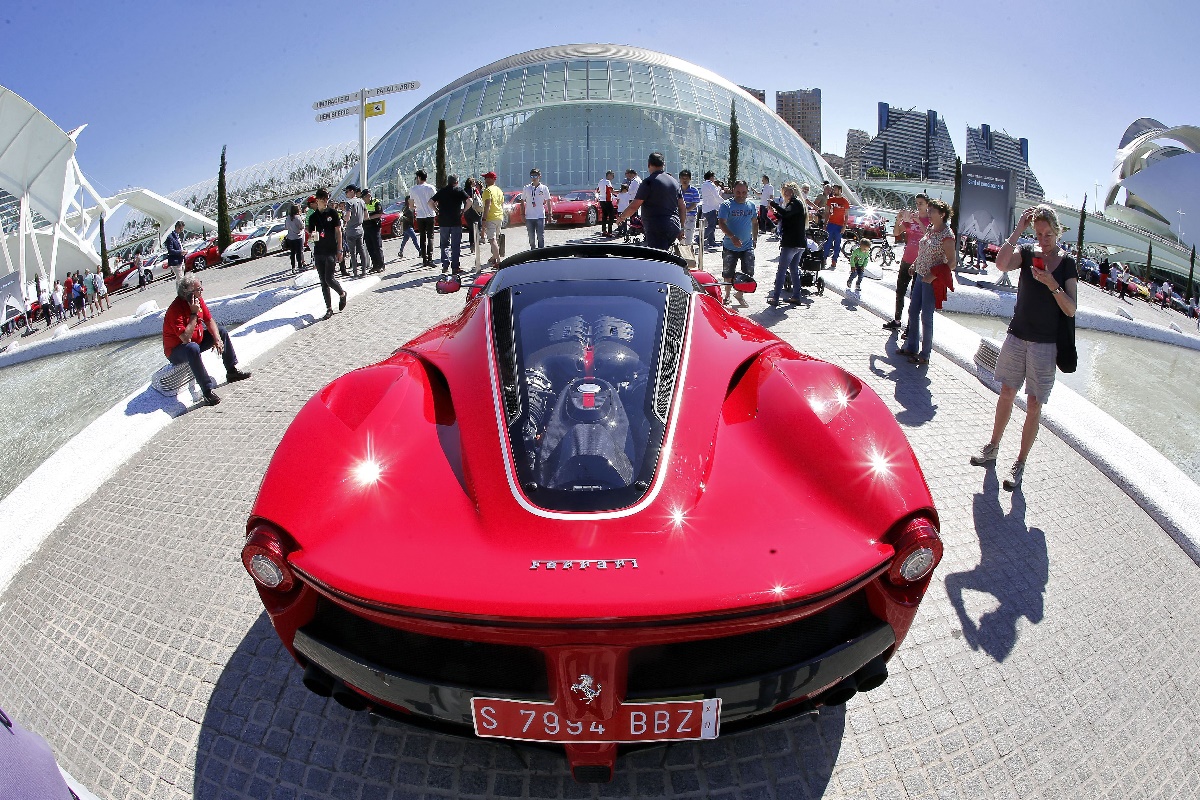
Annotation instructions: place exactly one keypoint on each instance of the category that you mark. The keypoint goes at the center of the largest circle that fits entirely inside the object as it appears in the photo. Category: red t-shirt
(837, 210)
(176, 320)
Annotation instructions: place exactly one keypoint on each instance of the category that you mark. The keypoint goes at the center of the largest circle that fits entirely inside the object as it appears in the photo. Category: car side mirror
(448, 285)
(744, 283)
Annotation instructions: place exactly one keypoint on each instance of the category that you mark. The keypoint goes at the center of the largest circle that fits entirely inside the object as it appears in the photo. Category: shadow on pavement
(296, 323)
(149, 401)
(1014, 567)
(410, 283)
(265, 736)
(912, 387)
(272, 277)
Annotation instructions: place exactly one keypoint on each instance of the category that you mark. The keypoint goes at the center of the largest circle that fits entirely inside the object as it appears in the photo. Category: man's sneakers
(235, 375)
(210, 398)
(1014, 477)
(986, 453)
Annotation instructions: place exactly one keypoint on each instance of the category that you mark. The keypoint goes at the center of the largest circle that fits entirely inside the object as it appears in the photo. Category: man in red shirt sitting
(189, 329)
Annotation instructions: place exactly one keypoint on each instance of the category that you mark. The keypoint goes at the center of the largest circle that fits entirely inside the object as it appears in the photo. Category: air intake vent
(506, 352)
(672, 345)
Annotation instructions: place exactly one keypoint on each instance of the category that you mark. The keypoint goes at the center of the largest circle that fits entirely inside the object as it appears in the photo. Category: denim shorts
(1031, 363)
(730, 259)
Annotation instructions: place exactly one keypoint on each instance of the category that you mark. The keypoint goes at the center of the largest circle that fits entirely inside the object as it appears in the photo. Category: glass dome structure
(575, 111)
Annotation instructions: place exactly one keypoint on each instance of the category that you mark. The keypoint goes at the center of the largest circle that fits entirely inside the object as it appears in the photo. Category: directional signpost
(362, 109)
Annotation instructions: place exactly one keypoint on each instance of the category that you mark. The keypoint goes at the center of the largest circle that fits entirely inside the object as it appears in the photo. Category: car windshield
(588, 378)
(258, 232)
(577, 196)
(394, 208)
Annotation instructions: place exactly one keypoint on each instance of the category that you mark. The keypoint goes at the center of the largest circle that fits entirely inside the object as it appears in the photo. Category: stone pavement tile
(1053, 654)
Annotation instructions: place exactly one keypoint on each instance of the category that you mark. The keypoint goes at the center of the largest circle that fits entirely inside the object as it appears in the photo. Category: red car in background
(205, 255)
(577, 208)
(514, 209)
(542, 519)
(861, 220)
(387, 225)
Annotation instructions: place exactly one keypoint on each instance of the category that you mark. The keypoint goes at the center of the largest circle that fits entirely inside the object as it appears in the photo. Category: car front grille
(673, 669)
(478, 666)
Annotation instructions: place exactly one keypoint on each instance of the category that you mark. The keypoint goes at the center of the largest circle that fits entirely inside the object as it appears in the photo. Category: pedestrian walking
(738, 220)
(608, 209)
(373, 230)
(141, 273)
(355, 247)
(936, 248)
(189, 329)
(1046, 292)
(710, 200)
(623, 198)
(691, 202)
(293, 240)
(536, 197)
(448, 202)
(473, 214)
(793, 222)
(766, 194)
(43, 298)
(493, 215)
(859, 259)
(174, 245)
(327, 249)
(912, 225)
(836, 207)
(407, 222)
(660, 202)
(421, 194)
(56, 301)
(102, 301)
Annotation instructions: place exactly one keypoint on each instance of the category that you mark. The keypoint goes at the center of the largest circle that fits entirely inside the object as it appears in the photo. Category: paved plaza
(1054, 654)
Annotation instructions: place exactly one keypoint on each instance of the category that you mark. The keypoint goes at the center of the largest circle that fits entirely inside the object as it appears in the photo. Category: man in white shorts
(493, 214)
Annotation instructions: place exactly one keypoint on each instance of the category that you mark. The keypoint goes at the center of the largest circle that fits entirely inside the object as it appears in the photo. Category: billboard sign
(987, 203)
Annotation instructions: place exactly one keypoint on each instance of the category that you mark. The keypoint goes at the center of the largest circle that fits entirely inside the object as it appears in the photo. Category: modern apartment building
(801, 109)
(911, 142)
(856, 140)
(758, 94)
(997, 149)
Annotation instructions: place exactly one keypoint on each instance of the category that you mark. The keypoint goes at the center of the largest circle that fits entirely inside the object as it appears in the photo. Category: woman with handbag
(1041, 335)
(473, 213)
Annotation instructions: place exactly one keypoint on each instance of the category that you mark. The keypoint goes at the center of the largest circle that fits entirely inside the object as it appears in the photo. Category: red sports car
(577, 208)
(593, 508)
(861, 220)
(204, 255)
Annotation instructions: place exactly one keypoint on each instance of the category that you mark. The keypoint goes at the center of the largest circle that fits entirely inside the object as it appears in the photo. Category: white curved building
(577, 110)
(1155, 181)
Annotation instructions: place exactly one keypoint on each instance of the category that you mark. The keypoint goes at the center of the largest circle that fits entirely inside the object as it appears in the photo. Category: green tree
(1191, 272)
(104, 250)
(224, 235)
(440, 180)
(955, 222)
(1082, 221)
(733, 143)
(1149, 258)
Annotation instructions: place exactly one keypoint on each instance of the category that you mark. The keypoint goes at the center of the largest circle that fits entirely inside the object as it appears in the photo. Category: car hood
(780, 477)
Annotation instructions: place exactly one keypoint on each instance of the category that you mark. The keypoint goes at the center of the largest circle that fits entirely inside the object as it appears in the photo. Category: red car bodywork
(860, 221)
(574, 211)
(417, 574)
(211, 255)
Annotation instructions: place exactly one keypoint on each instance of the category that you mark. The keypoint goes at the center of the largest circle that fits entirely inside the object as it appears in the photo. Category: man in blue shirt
(738, 220)
(691, 201)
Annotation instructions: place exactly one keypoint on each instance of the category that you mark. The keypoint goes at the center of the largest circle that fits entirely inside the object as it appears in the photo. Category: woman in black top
(1046, 292)
(471, 215)
(793, 219)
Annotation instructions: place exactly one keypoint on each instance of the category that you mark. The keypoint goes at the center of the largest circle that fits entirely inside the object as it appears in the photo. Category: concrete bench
(170, 378)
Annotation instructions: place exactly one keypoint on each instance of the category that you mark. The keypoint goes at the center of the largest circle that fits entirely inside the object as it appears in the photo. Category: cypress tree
(1149, 258)
(1082, 221)
(440, 178)
(224, 235)
(733, 143)
(958, 196)
(104, 250)
(1191, 272)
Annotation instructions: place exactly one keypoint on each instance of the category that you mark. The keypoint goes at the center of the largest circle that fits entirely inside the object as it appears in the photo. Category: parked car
(577, 208)
(862, 220)
(532, 521)
(262, 240)
(389, 226)
(201, 255)
(120, 277)
(514, 209)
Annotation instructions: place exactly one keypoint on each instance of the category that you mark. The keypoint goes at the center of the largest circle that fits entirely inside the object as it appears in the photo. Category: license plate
(633, 722)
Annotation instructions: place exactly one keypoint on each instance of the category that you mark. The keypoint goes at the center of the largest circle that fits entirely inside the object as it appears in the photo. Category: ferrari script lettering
(613, 563)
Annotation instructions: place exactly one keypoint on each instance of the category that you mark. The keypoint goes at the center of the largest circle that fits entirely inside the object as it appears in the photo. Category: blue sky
(163, 85)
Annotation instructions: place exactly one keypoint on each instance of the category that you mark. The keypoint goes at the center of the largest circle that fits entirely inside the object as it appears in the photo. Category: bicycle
(884, 254)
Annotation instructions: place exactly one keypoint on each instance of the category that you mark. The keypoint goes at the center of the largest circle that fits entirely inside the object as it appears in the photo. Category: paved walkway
(1054, 655)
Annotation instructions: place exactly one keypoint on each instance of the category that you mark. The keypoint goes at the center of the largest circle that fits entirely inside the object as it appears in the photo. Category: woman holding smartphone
(935, 248)
(1046, 291)
(912, 224)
